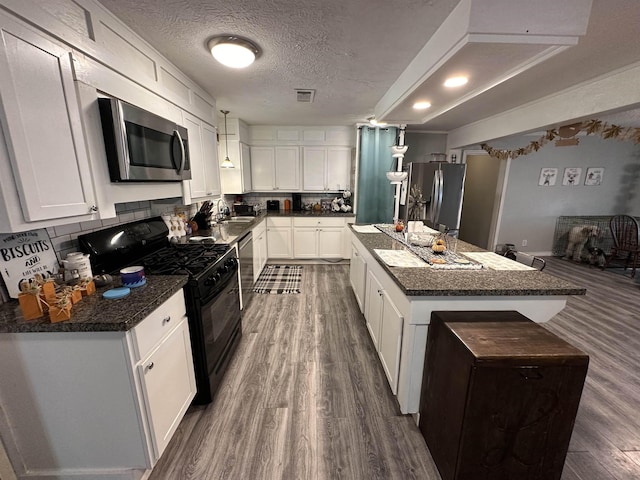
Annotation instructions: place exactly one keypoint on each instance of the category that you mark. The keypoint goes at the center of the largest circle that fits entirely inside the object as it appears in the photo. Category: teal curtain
(375, 193)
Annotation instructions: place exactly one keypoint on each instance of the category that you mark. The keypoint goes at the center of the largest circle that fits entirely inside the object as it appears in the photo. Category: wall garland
(591, 127)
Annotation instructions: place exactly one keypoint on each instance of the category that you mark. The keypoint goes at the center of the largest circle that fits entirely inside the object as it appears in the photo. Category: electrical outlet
(524, 243)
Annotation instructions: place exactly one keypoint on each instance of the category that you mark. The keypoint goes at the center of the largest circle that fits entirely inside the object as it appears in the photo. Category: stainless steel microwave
(141, 146)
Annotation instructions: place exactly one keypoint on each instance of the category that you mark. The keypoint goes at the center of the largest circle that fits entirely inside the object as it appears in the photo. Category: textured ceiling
(351, 52)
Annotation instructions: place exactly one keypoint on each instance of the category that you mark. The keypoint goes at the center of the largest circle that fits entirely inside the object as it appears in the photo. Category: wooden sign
(24, 254)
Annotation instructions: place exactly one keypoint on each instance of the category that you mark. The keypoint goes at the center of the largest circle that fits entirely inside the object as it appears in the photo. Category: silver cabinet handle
(380, 292)
(93, 209)
(166, 319)
(150, 365)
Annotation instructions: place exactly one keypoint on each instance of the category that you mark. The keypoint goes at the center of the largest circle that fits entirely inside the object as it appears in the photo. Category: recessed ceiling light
(455, 81)
(233, 51)
(421, 105)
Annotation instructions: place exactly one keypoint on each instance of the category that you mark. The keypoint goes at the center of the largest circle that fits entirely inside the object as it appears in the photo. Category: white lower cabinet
(390, 342)
(385, 324)
(373, 309)
(358, 276)
(259, 248)
(279, 241)
(318, 237)
(103, 404)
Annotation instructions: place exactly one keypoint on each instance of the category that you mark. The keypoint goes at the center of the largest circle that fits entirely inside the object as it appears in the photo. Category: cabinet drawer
(278, 221)
(318, 222)
(159, 323)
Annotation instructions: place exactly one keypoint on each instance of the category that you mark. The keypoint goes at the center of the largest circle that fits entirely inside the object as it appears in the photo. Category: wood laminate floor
(306, 398)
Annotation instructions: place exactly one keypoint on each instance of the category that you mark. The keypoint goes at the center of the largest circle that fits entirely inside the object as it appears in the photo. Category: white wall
(530, 211)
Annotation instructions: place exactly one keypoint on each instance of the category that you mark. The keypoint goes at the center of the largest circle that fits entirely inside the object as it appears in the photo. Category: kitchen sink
(240, 219)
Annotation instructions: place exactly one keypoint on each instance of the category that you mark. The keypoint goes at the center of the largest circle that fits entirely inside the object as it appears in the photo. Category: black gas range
(211, 293)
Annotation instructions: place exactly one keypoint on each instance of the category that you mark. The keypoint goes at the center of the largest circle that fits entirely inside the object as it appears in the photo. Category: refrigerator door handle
(432, 204)
(436, 201)
(440, 194)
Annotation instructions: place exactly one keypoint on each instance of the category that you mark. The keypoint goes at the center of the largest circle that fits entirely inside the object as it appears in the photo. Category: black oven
(213, 308)
(212, 292)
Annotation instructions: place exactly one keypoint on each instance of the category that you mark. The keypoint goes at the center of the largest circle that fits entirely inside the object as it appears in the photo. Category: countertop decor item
(116, 293)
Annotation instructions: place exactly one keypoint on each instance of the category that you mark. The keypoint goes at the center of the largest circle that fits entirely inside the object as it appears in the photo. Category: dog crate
(564, 225)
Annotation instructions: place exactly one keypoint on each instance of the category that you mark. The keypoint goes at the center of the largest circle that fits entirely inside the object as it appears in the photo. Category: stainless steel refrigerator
(433, 193)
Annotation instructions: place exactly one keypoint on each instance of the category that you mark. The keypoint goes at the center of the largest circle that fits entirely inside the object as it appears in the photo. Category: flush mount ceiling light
(233, 51)
(421, 105)
(226, 163)
(453, 82)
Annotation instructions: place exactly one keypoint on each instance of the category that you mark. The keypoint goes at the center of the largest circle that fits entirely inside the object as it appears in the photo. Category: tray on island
(446, 261)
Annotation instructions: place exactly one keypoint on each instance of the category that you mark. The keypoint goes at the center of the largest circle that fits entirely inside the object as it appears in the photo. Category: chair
(526, 259)
(624, 231)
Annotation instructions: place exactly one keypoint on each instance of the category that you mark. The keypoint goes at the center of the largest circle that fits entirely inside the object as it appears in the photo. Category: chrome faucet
(219, 212)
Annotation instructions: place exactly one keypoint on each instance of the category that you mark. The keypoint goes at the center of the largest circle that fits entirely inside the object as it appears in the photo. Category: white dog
(578, 237)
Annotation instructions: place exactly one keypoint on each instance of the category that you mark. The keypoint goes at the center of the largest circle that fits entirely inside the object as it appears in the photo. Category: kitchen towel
(277, 279)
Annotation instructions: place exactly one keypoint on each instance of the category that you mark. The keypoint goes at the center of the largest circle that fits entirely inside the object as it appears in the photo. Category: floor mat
(275, 279)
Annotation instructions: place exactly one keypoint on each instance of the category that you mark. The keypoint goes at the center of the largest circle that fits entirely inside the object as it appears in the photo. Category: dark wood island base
(499, 396)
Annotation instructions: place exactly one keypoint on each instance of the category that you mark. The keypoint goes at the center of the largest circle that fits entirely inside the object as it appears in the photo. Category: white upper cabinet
(203, 156)
(263, 167)
(238, 178)
(326, 168)
(275, 168)
(287, 168)
(314, 164)
(210, 151)
(45, 168)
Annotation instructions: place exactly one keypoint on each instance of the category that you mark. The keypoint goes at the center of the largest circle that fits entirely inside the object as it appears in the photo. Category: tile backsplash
(64, 238)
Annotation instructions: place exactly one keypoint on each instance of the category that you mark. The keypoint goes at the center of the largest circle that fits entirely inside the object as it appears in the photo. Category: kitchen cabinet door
(245, 163)
(40, 118)
(203, 158)
(279, 242)
(373, 308)
(357, 276)
(330, 242)
(168, 385)
(305, 242)
(210, 158)
(338, 168)
(314, 167)
(391, 342)
(263, 168)
(236, 180)
(287, 162)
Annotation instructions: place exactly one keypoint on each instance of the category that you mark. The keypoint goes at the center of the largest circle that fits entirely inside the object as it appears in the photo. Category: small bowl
(132, 275)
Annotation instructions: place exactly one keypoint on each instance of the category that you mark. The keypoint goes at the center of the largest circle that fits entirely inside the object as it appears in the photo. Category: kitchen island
(397, 303)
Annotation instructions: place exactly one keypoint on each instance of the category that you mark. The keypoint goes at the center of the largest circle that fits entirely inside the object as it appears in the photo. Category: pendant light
(226, 163)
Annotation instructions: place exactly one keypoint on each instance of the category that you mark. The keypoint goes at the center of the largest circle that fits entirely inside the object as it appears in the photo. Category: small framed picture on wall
(548, 177)
(572, 176)
(594, 176)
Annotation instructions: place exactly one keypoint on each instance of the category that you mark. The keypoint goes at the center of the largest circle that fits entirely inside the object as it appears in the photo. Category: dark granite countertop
(229, 231)
(97, 314)
(485, 282)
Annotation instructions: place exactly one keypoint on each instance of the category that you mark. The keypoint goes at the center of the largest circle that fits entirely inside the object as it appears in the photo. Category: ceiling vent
(305, 95)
